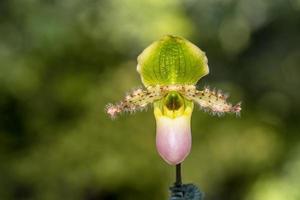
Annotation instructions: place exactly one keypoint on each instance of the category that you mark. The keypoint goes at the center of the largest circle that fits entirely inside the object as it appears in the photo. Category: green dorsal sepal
(172, 60)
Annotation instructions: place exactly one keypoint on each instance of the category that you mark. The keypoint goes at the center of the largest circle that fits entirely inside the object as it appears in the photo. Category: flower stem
(178, 175)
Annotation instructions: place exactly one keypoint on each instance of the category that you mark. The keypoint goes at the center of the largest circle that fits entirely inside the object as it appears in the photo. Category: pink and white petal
(173, 138)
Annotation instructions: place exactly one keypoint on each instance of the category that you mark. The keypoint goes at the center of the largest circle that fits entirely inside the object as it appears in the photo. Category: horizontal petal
(137, 100)
(214, 102)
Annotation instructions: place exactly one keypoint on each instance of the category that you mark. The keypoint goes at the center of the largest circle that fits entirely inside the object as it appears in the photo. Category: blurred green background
(62, 61)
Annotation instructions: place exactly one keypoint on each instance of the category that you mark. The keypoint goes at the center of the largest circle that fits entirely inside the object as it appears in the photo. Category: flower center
(173, 101)
(173, 105)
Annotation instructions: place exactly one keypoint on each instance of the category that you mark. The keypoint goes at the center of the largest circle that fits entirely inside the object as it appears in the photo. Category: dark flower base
(186, 192)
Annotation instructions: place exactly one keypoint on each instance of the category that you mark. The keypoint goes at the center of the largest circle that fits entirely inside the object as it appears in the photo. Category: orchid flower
(169, 69)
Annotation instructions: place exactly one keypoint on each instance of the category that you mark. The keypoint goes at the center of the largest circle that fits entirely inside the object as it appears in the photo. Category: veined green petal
(172, 60)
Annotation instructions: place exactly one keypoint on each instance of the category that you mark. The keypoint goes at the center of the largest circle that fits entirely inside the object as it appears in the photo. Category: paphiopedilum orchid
(169, 69)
